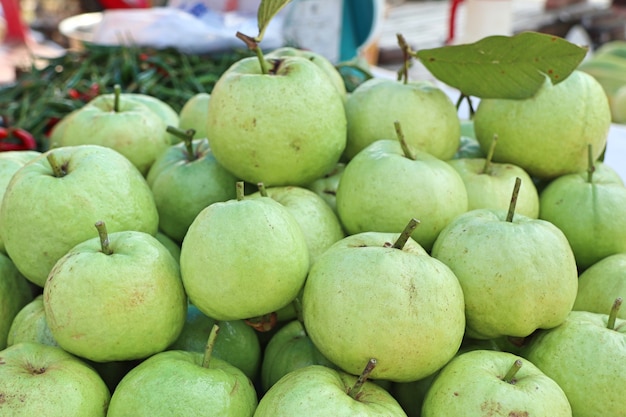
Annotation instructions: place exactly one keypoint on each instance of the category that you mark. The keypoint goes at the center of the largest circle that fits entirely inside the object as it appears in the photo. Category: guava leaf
(266, 12)
(512, 67)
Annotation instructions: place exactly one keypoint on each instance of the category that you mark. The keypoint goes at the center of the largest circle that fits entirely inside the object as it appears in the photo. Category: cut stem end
(358, 385)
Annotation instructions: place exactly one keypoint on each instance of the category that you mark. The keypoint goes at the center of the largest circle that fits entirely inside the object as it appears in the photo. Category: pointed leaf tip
(266, 12)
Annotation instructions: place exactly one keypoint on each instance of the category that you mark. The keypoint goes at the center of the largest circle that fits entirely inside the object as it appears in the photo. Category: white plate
(80, 28)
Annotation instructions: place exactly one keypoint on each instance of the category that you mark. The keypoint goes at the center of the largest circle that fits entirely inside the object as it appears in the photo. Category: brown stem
(57, 170)
(613, 313)
(510, 375)
(208, 349)
(406, 234)
(470, 105)
(104, 238)
(356, 388)
(459, 101)
(253, 45)
(405, 146)
(239, 187)
(403, 72)
(492, 148)
(514, 195)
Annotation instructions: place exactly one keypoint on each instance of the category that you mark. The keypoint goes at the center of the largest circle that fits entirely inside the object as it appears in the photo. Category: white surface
(484, 18)
(615, 155)
(162, 27)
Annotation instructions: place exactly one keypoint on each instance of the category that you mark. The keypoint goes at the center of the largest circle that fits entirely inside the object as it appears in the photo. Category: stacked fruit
(315, 252)
(608, 66)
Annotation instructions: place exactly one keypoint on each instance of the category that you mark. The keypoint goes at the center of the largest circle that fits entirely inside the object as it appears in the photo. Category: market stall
(202, 214)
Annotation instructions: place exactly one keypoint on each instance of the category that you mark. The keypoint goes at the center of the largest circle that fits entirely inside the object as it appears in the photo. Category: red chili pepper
(50, 124)
(21, 140)
(73, 94)
(94, 89)
(86, 95)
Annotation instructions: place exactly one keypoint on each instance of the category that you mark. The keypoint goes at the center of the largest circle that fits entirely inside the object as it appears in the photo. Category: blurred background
(344, 29)
(92, 44)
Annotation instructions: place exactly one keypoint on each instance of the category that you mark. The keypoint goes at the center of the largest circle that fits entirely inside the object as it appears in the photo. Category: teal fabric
(357, 24)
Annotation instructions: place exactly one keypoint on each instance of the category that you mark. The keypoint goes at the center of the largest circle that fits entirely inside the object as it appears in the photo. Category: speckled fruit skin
(319, 391)
(381, 190)
(493, 189)
(586, 359)
(135, 130)
(126, 305)
(283, 128)
(174, 382)
(10, 162)
(15, 293)
(365, 299)
(243, 258)
(586, 212)
(318, 59)
(517, 276)
(193, 115)
(100, 184)
(428, 117)
(42, 380)
(183, 186)
(471, 385)
(601, 283)
(319, 223)
(290, 348)
(237, 344)
(30, 325)
(548, 134)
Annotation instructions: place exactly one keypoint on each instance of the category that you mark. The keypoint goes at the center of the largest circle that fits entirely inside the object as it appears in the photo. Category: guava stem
(467, 98)
(459, 101)
(470, 105)
(492, 148)
(358, 385)
(405, 146)
(57, 170)
(513, 203)
(253, 45)
(210, 344)
(591, 168)
(613, 313)
(117, 91)
(262, 189)
(406, 234)
(239, 188)
(104, 238)
(510, 375)
(297, 306)
(403, 72)
(187, 137)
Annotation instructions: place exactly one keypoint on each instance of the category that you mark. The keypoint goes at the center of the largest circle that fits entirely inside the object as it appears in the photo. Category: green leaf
(266, 12)
(512, 67)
